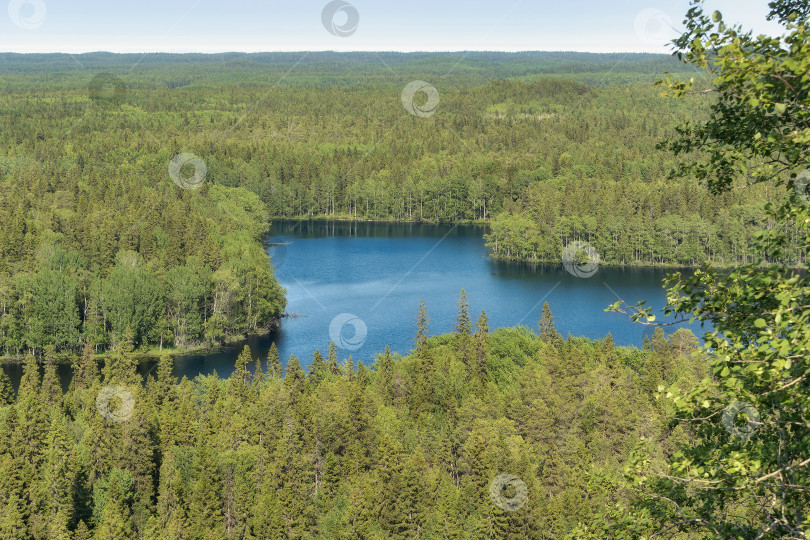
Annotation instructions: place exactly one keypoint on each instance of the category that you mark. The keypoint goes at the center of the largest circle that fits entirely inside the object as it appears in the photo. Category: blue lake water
(359, 284)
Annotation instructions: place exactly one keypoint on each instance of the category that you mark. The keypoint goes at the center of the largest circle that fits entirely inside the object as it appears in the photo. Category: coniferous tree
(32, 420)
(82, 532)
(317, 370)
(548, 333)
(421, 327)
(267, 517)
(295, 380)
(114, 520)
(423, 395)
(609, 352)
(12, 524)
(348, 369)
(464, 328)
(85, 369)
(333, 365)
(205, 507)
(385, 376)
(57, 486)
(6, 391)
(241, 373)
(416, 494)
(166, 381)
(51, 392)
(173, 520)
(362, 378)
(258, 372)
(478, 368)
(273, 361)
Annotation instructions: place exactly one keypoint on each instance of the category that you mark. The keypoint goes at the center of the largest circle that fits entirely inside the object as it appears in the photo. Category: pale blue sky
(412, 25)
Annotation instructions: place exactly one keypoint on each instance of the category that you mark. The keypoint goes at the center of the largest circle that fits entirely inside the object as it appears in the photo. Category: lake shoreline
(151, 354)
(486, 223)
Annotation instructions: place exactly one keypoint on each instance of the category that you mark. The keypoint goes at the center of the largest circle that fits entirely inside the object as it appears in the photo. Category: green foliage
(98, 249)
(406, 450)
(548, 333)
(123, 260)
(745, 470)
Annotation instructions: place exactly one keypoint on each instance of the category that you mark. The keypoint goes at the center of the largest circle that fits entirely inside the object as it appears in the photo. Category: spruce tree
(51, 392)
(317, 370)
(173, 520)
(295, 380)
(609, 352)
(267, 516)
(58, 475)
(205, 504)
(85, 369)
(333, 366)
(548, 333)
(385, 376)
(241, 373)
(421, 328)
(362, 378)
(273, 361)
(416, 495)
(30, 381)
(33, 420)
(348, 368)
(114, 521)
(12, 524)
(463, 328)
(478, 367)
(258, 372)
(82, 532)
(166, 381)
(389, 467)
(6, 391)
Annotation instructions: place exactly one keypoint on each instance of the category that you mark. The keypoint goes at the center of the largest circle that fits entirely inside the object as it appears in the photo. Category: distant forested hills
(331, 68)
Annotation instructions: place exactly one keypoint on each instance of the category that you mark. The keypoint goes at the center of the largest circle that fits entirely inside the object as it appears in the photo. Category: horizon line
(303, 51)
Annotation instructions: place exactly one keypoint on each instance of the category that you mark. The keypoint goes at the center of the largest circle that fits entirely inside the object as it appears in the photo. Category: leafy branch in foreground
(746, 471)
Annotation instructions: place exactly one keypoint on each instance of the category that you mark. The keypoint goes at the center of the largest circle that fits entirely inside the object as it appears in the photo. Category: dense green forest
(410, 449)
(475, 434)
(549, 148)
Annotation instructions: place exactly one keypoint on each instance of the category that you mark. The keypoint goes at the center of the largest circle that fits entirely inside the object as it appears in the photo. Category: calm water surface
(360, 284)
